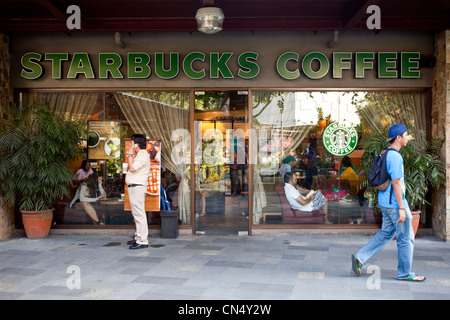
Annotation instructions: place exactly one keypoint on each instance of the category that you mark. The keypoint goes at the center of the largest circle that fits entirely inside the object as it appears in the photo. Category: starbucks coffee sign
(141, 65)
(340, 138)
(154, 60)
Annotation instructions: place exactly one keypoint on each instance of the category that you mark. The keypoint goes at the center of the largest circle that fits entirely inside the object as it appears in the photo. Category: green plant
(35, 146)
(319, 113)
(423, 168)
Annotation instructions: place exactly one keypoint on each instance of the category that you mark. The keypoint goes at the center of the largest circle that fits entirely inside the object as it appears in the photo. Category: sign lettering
(198, 65)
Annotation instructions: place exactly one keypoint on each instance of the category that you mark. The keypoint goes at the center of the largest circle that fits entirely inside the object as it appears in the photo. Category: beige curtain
(383, 109)
(158, 120)
(295, 135)
(76, 105)
(259, 196)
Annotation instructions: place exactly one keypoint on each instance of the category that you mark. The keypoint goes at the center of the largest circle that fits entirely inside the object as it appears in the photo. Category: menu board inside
(104, 139)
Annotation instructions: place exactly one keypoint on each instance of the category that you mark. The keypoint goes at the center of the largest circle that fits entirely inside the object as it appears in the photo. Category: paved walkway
(210, 267)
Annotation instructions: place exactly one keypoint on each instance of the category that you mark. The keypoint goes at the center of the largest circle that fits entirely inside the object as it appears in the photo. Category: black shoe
(138, 246)
(131, 242)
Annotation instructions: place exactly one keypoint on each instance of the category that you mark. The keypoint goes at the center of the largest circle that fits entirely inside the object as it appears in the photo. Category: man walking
(136, 179)
(396, 214)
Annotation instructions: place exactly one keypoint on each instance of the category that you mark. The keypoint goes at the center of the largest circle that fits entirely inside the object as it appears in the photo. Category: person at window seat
(83, 173)
(348, 172)
(297, 201)
(90, 192)
(288, 163)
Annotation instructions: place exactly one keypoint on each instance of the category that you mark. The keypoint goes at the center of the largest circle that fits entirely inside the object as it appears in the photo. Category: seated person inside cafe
(88, 193)
(297, 201)
(288, 163)
(348, 172)
(83, 172)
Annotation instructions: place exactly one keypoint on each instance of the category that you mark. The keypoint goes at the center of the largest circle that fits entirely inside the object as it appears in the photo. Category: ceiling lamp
(209, 19)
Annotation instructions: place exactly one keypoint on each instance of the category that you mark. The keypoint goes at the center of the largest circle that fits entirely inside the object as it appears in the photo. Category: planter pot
(37, 224)
(169, 224)
(415, 220)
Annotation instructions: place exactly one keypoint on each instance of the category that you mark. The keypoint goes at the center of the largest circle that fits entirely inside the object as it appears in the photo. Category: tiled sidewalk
(214, 268)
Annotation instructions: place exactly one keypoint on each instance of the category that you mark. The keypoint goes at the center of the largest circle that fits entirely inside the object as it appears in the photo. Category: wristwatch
(130, 155)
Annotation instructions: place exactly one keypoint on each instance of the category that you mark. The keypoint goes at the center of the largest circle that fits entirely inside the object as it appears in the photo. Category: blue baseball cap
(396, 130)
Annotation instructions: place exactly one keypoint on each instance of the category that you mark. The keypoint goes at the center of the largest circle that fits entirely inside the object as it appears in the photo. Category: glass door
(221, 162)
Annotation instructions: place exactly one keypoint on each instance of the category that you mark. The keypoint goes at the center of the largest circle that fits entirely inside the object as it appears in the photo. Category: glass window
(110, 119)
(324, 132)
(318, 137)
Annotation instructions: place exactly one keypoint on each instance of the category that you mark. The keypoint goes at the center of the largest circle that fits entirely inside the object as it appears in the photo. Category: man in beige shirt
(136, 179)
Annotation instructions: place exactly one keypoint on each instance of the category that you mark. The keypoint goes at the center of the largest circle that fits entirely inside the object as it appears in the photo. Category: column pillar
(7, 225)
(440, 128)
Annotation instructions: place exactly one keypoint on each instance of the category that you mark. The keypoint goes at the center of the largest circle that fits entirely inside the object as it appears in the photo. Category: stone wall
(6, 97)
(441, 129)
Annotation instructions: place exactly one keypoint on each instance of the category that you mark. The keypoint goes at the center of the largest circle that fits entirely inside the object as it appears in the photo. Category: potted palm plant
(322, 123)
(35, 146)
(423, 170)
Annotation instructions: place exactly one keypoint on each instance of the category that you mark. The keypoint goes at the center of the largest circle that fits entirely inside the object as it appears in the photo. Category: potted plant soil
(423, 170)
(35, 147)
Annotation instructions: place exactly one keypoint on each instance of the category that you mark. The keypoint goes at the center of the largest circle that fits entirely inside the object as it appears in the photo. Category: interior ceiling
(240, 15)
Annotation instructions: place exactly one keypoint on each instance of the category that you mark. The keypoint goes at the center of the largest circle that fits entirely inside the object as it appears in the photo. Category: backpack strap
(390, 196)
(392, 188)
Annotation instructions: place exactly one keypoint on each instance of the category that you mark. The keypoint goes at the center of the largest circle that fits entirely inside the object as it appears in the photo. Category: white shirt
(141, 166)
(82, 194)
(292, 194)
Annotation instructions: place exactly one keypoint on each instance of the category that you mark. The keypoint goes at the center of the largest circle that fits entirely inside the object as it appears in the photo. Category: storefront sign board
(256, 60)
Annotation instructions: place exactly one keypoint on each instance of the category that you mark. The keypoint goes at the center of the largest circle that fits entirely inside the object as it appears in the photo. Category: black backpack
(378, 175)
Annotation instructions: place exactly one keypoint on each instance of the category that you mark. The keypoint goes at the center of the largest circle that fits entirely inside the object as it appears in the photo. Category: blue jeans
(405, 240)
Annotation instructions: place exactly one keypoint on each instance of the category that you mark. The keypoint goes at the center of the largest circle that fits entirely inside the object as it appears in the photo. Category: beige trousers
(137, 204)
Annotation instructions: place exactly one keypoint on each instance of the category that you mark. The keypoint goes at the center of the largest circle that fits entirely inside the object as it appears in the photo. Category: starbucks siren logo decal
(340, 138)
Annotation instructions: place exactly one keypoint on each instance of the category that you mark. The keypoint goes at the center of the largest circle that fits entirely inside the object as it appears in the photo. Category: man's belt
(135, 185)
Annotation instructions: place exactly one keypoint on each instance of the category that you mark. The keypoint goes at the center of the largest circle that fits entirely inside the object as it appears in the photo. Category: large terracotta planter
(415, 220)
(37, 224)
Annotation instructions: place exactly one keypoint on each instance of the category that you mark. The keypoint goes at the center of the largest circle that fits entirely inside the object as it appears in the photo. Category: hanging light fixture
(209, 19)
